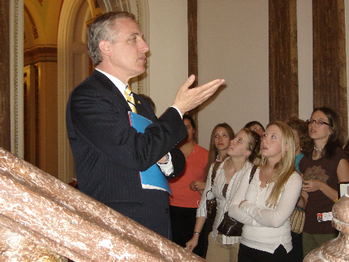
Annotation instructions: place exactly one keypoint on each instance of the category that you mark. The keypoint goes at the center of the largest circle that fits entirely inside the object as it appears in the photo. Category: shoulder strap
(253, 170)
(214, 172)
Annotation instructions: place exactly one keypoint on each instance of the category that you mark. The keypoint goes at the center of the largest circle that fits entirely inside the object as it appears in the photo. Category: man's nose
(144, 47)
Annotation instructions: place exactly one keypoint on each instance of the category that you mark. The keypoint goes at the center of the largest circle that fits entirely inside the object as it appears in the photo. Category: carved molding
(32, 22)
(40, 54)
(114, 5)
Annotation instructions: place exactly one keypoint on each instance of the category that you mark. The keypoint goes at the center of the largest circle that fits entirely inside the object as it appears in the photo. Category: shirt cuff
(167, 168)
(179, 112)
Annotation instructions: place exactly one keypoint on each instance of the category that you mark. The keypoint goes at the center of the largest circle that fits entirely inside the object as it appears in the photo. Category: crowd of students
(298, 165)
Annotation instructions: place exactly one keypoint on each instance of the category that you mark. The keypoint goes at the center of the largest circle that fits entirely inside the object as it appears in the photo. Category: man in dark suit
(108, 152)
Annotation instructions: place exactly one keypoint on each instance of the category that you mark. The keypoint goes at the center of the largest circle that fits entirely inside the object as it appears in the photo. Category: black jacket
(109, 153)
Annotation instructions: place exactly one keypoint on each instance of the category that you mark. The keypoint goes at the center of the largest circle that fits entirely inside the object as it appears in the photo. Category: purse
(211, 207)
(211, 204)
(297, 220)
(230, 226)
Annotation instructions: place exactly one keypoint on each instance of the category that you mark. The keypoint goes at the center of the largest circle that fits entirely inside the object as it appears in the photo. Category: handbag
(211, 207)
(211, 204)
(297, 220)
(229, 226)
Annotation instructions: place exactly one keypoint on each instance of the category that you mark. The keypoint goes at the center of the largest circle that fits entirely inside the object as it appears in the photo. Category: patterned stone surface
(15, 247)
(335, 250)
(43, 211)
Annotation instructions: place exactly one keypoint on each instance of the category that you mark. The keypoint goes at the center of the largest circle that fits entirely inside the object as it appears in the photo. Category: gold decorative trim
(40, 54)
(32, 22)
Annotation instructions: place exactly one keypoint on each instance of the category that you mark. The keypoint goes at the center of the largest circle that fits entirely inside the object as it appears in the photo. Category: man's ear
(105, 47)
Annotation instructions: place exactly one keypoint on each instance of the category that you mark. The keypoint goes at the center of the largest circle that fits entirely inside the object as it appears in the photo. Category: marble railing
(45, 219)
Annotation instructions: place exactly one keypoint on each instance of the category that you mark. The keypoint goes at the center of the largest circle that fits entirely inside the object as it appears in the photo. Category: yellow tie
(130, 99)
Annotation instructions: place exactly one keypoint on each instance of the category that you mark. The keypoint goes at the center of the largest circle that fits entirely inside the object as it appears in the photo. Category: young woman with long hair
(219, 142)
(241, 152)
(322, 168)
(264, 204)
(183, 201)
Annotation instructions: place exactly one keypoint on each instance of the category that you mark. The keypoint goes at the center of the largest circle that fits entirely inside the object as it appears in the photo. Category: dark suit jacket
(109, 154)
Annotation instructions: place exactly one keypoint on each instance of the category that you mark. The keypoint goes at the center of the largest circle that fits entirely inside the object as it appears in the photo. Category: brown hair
(336, 138)
(213, 152)
(302, 130)
(254, 143)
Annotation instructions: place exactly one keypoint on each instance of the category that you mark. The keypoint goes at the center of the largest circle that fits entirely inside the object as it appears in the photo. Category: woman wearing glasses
(322, 168)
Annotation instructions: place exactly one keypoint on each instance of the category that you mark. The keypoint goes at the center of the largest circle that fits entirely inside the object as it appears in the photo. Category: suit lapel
(106, 83)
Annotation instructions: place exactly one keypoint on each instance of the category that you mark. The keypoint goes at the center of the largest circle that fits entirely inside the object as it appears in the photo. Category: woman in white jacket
(243, 149)
(265, 204)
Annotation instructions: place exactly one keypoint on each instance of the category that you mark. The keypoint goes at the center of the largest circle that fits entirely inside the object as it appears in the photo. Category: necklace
(318, 149)
(266, 180)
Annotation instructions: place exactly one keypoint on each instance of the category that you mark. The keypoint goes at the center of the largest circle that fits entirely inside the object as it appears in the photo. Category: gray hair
(102, 29)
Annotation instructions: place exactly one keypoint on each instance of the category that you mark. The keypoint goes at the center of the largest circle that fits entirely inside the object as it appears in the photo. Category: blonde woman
(265, 204)
(242, 150)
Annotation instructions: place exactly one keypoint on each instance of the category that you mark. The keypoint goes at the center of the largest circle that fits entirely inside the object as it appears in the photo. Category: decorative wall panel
(329, 58)
(283, 60)
(5, 134)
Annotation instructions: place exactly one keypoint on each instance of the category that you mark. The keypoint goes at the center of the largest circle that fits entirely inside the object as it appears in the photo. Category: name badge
(326, 216)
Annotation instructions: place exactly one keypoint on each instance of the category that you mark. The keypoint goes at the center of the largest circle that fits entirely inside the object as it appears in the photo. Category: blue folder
(152, 178)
